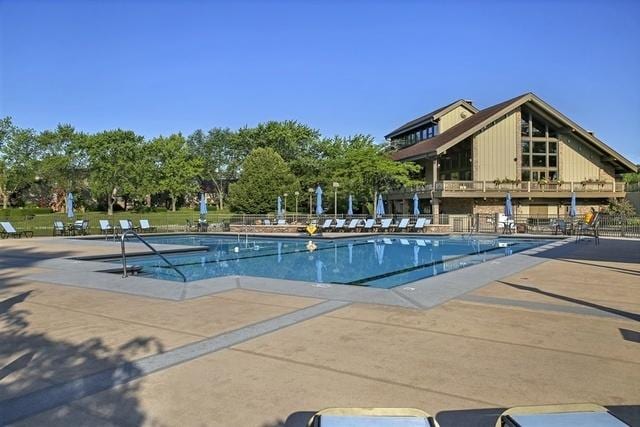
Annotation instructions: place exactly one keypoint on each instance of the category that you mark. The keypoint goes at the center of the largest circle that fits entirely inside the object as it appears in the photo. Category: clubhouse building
(471, 158)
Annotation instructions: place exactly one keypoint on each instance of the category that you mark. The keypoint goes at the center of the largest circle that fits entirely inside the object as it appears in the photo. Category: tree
(264, 177)
(19, 153)
(176, 169)
(117, 163)
(364, 169)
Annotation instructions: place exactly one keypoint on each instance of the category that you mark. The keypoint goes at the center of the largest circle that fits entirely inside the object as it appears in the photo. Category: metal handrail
(124, 255)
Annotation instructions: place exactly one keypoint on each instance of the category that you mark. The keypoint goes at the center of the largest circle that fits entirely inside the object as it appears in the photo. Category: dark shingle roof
(429, 117)
(432, 144)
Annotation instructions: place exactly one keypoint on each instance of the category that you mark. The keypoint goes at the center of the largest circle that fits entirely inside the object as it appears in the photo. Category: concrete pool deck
(564, 327)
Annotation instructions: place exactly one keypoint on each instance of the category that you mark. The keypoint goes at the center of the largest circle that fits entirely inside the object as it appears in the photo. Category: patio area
(564, 330)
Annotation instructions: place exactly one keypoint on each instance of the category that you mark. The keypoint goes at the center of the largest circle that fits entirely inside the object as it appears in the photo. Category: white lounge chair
(368, 225)
(146, 227)
(403, 224)
(266, 222)
(339, 225)
(7, 230)
(105, 227)
(327, 224)
(353, 224)
(281, 222)
(81, 226)
(421, 223)
(379, 417)
(126, 225)
(385, 224)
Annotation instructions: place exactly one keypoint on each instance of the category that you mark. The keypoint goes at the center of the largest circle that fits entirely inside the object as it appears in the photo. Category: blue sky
(343, 67)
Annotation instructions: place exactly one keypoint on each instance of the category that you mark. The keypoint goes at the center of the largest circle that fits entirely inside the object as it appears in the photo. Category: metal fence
(42, 225)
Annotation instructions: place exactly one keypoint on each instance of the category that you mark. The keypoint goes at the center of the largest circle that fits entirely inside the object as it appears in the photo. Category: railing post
(572, 186)
(528, 186)
(614, 185)
(484, 186)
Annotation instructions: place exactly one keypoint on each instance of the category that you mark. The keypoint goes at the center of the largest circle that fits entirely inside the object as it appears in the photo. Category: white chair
(327, 224)
(385, 224)
(59, 228)
(421, 223)
(146, 227)
(105, 227)
(403, 224)
(7, 230)
(368, 225)
(505, 223)
(353, 224)
(339, 225)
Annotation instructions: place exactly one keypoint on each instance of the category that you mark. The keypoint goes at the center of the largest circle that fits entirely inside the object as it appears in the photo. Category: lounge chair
(590, 225)
(266, 222)
(421, 223)
(576, 414)
(353, 224)
(385, 225)
(127, 225)
(81, 227)
(506, 224)
(105, 227)
(7, 230)
(59, 229)
(145, 227)
(368, 225)
(191, 226)
(327, 224)
(281, 222)
(379, 417)
(339, 225)
(403, 224)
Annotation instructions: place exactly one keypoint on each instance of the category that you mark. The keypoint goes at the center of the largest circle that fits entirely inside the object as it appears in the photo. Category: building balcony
(598, 189)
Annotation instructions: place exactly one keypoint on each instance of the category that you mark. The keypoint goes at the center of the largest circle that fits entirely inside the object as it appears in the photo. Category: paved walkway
(564, 330)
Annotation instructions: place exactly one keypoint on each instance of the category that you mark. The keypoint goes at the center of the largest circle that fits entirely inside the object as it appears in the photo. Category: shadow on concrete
(617, 312)
(609, 250)
(36, 366)
(630, 335)
(297, 419)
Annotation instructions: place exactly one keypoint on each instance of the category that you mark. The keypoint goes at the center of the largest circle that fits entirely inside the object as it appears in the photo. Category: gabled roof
(431, 117)
(484, 118)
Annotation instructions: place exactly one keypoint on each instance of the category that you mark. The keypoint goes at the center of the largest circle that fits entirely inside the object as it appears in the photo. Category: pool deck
(557, 326)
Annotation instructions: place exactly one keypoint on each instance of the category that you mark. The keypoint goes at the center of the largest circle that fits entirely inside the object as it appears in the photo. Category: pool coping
(86, 272)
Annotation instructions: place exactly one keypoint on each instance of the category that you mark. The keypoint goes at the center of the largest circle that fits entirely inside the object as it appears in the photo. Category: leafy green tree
(117, 164)
(19, 153)
(221, 156)
(265, 176)
(290, 139)
(364, 170)
(176, 169)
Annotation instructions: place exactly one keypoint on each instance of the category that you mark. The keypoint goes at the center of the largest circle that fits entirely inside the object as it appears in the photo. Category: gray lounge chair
(266, 222)
(81, 227)
(327, 224)
(59, 229)
(7, 230)
(353, 224)
(105, 227)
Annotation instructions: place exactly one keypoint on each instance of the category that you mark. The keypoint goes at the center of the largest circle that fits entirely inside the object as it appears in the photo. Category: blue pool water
(374, 261)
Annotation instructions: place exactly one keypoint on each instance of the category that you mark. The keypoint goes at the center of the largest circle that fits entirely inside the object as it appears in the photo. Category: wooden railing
(491, 186)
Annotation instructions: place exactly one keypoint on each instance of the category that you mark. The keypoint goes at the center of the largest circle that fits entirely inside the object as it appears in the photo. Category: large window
(539, 159)
(420, 134)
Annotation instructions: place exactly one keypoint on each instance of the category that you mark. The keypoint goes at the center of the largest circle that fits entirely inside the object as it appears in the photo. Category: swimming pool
(371, 261)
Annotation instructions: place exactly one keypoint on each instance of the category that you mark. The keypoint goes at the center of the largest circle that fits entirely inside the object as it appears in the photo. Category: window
(539, 148)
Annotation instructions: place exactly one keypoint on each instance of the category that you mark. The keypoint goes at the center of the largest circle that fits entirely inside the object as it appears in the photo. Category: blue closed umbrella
(70, 205)
(203, 205)
(380, 206)
(319, 210)
(416, 204)
(572, 208)
(508, 207)
(350, 209)
(279, 207)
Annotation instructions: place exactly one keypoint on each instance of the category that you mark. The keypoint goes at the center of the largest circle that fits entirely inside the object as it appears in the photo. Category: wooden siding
(495, 148)
(453, 117)
(577, 162)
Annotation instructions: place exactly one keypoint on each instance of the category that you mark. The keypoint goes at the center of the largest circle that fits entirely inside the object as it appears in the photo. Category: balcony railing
(516, 187)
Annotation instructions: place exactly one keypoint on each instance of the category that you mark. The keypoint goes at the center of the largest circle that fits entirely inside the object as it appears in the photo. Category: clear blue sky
(344, 67)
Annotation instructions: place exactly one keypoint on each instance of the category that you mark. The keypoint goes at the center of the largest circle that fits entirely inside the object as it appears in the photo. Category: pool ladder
(125, 272)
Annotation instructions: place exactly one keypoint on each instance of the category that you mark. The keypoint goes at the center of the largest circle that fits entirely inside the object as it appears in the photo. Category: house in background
(471, 158)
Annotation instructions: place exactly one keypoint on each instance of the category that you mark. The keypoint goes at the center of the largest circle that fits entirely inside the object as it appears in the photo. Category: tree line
(244, 170)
